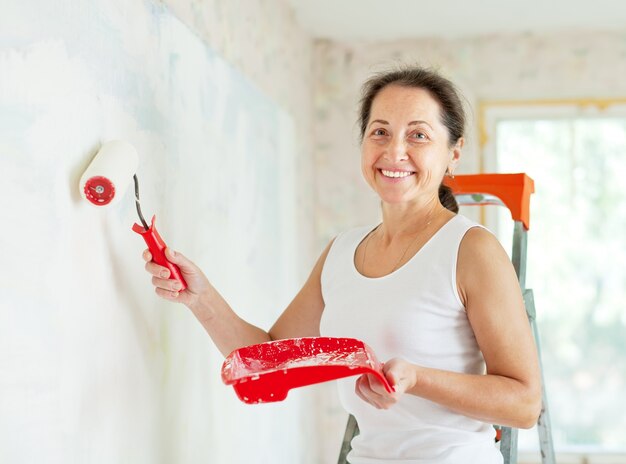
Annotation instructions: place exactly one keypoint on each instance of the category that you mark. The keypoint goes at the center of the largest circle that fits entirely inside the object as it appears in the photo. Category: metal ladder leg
(352, 430)
(508, 445)
(544, 426)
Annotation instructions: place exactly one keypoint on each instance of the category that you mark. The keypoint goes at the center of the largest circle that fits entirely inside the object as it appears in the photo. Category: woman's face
(406, 148)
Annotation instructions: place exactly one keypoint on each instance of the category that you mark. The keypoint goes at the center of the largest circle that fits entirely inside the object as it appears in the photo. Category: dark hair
(441, 89)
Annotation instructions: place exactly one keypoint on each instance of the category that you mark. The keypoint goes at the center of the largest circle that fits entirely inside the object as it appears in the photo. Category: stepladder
(512, 191)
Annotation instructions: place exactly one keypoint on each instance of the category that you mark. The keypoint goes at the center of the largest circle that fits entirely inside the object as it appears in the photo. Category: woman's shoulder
(475, 235)
(457, 228)
(479, 238)
(464, 221)
(480, 248)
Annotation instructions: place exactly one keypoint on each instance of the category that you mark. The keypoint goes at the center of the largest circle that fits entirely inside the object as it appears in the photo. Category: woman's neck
(400, 220)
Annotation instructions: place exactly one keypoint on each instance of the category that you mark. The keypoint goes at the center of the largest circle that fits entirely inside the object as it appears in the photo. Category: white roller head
(106, 179)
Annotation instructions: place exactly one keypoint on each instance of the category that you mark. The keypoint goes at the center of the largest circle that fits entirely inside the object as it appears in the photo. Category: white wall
(93, 366)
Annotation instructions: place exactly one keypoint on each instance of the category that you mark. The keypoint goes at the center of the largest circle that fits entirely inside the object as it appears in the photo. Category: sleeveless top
(414, 313)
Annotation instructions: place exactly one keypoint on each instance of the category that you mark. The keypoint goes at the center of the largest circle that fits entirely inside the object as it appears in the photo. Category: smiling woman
(431, 292)
(401, 150)
(445, 120)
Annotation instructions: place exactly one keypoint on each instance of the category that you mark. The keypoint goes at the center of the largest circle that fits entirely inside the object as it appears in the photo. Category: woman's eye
(418, 135)
(379, 132)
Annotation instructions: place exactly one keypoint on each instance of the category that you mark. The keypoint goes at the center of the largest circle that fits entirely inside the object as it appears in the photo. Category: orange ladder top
(514, 190)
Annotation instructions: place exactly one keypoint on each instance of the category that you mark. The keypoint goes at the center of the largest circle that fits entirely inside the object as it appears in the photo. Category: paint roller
(104, 183)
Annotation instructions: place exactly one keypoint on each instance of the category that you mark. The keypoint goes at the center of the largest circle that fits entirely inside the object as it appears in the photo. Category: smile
(396, 174)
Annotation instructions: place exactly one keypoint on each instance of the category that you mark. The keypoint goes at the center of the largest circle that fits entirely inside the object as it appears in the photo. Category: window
(576, 261)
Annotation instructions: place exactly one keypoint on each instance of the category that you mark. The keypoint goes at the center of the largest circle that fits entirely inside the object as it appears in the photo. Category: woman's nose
(396, 150)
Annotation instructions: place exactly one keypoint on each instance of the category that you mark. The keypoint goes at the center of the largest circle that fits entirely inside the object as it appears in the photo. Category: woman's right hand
(167, 288)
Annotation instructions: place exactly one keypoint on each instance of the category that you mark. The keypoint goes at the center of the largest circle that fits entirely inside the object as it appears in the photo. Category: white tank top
(414, 313)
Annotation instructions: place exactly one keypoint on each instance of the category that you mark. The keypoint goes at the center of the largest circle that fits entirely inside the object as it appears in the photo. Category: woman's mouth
(395, 174)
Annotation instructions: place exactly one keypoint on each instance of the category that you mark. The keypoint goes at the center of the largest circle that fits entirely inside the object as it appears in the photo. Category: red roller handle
(157, 246)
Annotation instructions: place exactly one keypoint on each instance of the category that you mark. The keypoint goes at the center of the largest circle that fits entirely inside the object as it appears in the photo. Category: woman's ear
(455, 154)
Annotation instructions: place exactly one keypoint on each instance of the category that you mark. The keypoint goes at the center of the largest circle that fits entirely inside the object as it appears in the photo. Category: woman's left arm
(510, 392)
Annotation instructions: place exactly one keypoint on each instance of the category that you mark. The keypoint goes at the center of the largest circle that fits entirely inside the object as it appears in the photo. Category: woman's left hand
(400, 375)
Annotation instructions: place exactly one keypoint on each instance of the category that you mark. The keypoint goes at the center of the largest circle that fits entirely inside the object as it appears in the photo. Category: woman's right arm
(227, 330)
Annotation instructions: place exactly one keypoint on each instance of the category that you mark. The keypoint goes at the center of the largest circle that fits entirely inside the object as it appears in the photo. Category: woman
(433, 293)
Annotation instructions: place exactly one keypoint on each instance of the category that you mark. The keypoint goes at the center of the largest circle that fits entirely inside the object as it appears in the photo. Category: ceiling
(398, 19)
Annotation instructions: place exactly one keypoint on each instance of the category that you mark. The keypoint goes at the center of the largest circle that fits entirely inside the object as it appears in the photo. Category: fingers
(359, 388)
(168, 287)
(377, 386)
(164, 286)
(157, 270)
(180, 260)
(400, 374)
(371, 390)
(153, 268)
(167, 284)
(187, 267)
(391, 379)
(167, 294)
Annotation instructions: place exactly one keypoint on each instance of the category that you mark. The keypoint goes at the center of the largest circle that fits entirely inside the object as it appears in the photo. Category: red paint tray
(266, 372)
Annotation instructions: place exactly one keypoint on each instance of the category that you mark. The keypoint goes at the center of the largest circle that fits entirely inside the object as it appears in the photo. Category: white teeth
(396, 173)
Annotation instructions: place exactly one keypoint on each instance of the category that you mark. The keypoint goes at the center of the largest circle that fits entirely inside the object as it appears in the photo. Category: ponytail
(446, 197)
